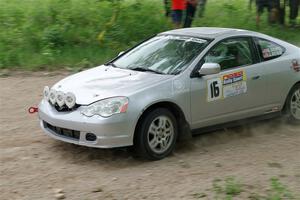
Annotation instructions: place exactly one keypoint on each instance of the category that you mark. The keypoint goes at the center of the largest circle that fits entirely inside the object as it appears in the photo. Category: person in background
(167, 5)
(178, 6)
(201, 7)
(261, 5)
(281, 11)
(190, 12)
(250, 4)
(294, 10)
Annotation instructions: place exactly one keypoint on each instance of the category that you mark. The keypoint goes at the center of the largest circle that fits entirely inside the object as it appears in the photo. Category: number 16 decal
(214, 89)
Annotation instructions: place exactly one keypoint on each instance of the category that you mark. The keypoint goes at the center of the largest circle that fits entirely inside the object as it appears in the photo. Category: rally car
(172, 84)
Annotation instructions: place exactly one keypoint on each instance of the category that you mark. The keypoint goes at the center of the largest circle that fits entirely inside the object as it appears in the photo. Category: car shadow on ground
(122, 157)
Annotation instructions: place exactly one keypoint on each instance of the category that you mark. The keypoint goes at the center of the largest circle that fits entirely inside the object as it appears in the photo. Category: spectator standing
(294, 10)
(167, 5)
(201, 7)
(261, 5)
(281, 11)
(190, 12)
(178, 6)
(250, 4)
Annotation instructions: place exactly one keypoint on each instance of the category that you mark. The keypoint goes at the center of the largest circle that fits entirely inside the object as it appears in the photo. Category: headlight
(106, 107)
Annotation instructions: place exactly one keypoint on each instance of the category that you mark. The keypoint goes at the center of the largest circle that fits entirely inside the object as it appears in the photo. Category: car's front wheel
(156, 135)
(292, 108)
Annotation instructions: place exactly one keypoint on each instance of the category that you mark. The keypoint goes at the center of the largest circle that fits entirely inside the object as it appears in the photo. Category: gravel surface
(34, 166)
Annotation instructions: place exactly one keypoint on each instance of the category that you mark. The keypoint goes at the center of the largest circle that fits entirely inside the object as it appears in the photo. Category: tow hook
(33, 110)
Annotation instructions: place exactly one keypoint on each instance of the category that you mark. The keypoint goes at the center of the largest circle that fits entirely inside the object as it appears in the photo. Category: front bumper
(114, 131)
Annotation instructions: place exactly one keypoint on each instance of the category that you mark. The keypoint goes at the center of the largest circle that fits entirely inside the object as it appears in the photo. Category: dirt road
(34, 166)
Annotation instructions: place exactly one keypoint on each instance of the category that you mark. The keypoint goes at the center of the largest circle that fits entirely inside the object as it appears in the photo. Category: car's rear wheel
(156, 135)
(292, 107)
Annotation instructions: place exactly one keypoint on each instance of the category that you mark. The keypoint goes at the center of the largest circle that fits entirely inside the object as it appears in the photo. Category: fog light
(70, 100)
(46, 92)
(52, 96)
(60, 98)
(90, 137)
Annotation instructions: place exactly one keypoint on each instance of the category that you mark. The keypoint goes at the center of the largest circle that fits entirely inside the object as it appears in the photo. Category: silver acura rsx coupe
(172, 84)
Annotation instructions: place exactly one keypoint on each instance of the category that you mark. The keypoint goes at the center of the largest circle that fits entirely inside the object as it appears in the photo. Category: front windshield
(163, 54)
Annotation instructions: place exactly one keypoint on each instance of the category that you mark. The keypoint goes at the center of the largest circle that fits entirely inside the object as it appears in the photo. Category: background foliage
(51, 34)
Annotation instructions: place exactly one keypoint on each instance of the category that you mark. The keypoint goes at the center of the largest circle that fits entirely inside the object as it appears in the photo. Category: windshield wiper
(111, 64)
(141, 69)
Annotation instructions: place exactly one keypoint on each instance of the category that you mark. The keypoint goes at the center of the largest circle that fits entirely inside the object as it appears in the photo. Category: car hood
(104, 82)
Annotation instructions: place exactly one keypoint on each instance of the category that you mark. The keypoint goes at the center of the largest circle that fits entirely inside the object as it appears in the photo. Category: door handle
(255, 77)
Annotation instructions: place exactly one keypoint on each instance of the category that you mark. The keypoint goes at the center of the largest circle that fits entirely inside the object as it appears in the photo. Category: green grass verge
(51, 34)
(230, 189)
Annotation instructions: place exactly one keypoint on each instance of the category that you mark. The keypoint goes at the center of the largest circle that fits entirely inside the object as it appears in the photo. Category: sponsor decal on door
(228, 85)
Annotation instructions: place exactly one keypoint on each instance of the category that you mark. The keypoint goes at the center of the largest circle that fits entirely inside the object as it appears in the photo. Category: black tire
(142, 147)
(287, 111)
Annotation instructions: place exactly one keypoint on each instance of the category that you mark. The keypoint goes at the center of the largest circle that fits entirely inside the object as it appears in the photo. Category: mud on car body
(177, 81)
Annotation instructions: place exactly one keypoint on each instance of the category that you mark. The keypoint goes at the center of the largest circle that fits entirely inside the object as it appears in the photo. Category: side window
(231, 53)
(268, 50)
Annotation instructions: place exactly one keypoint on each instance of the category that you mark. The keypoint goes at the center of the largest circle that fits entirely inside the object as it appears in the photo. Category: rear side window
(268, 50)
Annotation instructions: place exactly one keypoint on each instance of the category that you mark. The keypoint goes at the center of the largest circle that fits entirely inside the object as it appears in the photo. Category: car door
(237, 92)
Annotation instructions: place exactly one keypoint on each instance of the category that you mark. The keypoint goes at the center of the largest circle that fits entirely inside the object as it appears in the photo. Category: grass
(236, 14)
(49, 34)
(230, 189)
(279, 191)
(54, 34)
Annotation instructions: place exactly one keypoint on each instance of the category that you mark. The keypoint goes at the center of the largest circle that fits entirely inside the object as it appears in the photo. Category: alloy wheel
(160, 134)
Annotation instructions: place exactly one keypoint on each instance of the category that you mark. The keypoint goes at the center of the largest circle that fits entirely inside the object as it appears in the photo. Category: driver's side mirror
(209, 68)
(121, 53)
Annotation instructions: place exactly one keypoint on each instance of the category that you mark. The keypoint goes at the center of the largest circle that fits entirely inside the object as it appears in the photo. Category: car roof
(212, 33)
(207, 32)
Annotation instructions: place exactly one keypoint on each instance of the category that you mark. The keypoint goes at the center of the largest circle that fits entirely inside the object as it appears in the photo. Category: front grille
(64, 108)
(72, 134)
